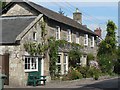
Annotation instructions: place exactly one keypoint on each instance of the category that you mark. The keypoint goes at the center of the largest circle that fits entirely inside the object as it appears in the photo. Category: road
(84, 84)
(112, 84)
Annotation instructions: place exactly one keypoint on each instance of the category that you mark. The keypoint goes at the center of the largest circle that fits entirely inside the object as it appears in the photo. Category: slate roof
(54, 15)
(60, 18)
(12, 27)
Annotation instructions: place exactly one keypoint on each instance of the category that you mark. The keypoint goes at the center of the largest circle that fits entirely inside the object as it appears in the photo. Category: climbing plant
(74, 57)
(51, 46)
(53, 53)
(38, 48)
(74, 54)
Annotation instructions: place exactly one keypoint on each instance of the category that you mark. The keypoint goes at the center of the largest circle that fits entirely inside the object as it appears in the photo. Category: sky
(95, 13)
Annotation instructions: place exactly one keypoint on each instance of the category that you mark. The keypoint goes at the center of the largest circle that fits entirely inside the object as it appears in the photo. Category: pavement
(70, 84)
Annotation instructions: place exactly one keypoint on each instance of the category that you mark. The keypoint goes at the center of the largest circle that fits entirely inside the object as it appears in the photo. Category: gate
(4, 66)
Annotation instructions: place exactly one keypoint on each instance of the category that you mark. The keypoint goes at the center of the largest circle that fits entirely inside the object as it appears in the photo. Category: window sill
(30, 71)
(85, 45)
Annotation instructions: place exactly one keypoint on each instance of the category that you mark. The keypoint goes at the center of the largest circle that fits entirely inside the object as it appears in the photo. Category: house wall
(85, 50)
(20, 9)
(16, 65)
(17, 75)
(52, 32)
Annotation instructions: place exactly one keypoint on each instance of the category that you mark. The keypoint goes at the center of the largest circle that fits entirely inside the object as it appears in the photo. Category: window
(59, 65)
(31, 64)
(86, 39)
(65, 64)
(69, 35)
(34, 36)
(92, 41)
(77, 37)
(57, 33)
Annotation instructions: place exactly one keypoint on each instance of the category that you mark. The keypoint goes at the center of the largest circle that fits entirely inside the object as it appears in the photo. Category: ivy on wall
(53, 53)
(51, 46)
(38, 48)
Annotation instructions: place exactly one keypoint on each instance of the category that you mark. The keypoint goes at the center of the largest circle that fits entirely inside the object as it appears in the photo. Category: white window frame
(66, 64)
(57, 33)
(77, 37)
(92, 41)
(69, 36)
(59, 64)
(86, 39)
(34, 36)
(31, 65)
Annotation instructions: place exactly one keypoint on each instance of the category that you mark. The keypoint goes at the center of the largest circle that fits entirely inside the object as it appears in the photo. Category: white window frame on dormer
(34, 36)
(77, 37)
(92, 41)
(86, 39)
(69, 36)
(57, 33)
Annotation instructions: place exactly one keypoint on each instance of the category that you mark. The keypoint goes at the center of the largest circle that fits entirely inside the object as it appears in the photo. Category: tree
(61, 12)
(107, 48)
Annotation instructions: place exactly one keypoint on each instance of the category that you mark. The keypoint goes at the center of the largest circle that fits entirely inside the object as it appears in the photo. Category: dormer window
(34, 36)
(69, 35)
(86, 39)
(57, 33)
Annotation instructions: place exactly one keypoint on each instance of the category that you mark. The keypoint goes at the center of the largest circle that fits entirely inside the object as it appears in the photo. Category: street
(113, 84)
(83, 84)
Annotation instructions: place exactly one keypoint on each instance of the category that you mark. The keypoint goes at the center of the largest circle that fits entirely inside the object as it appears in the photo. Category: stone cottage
(21, 24)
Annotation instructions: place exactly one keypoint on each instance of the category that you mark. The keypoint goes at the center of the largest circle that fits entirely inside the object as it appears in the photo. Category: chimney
(77, 16)
(98, 31)
(85, 25)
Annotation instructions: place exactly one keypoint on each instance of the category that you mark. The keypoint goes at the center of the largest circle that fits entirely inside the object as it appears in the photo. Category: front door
(4, 66)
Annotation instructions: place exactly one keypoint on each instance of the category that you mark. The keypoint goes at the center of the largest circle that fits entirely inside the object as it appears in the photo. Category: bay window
(65, 64)
(59, 64)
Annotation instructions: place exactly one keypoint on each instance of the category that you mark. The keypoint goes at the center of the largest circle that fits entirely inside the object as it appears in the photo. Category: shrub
(88, 72)
(106, 63)
(95, 73)
(84, 71)
(117, 67)
(96, 76)
(89, 58)
(72, 75)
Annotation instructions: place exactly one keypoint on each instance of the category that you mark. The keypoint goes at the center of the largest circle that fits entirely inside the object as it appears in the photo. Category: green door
(36, 73)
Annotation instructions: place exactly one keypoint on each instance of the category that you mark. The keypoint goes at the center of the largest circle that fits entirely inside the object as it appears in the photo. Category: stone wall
(52, 32)
(17, 75)
(20, 9)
